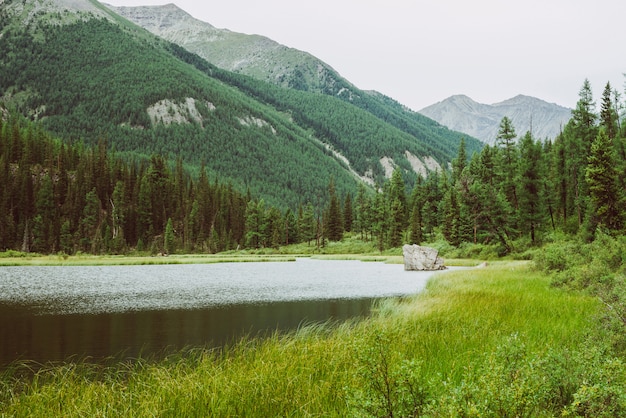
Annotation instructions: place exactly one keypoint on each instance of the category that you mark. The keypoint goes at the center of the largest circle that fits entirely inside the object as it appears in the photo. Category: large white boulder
(421, 258)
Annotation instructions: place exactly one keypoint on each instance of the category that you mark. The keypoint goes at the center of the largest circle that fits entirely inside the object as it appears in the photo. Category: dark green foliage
(93, 80)
(277, 144)
(333, 220)
(398, 210)
(348, 213)
(531, 203)
(602, 178)
(60, 198)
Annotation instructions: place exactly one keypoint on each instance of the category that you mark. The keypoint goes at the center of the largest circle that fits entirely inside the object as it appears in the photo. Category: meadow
(492, 341)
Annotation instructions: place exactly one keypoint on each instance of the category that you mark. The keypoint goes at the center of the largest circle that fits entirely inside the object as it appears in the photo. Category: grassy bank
(495, 341)
(125, 260)
(350, 248)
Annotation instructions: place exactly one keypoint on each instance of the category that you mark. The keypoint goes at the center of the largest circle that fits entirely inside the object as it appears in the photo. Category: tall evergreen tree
(255, 223)
(580, 132)
(602, 181)
(508, 159)
(307, 223)
(362, 219)
(347, 213)
(169, 238)
(333, 223)
(608, 114)
(531, 206)
(397, 208)
(459, 163)
(416, 236)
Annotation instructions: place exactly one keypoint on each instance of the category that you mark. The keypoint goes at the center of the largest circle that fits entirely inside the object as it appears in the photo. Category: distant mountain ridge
(253, 55)
(461, 113)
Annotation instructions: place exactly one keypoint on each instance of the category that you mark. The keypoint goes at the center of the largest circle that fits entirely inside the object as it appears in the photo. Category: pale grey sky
(421, 52)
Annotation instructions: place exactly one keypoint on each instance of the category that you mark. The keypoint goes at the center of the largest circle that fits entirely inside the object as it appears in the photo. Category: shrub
(388, 386)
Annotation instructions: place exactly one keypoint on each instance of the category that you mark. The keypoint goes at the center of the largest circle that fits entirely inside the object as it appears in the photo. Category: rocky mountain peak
(168, 19)
(482, 121)
(54, 11)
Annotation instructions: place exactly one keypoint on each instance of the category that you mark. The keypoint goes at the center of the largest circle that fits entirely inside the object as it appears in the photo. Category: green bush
(389, 385)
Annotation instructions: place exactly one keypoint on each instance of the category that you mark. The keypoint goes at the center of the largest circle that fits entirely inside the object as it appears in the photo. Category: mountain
(87, 74)
(482, 121)
(267, 60)
(253, 55)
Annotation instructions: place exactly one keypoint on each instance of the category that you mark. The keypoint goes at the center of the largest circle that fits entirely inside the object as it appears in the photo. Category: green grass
(350, 248)
(99, 260)
(493, 341)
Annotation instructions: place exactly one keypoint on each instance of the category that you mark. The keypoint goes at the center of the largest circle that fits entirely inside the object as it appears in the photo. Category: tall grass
(496, 341)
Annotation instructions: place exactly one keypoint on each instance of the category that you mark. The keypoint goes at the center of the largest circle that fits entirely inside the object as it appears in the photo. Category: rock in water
(421, 258)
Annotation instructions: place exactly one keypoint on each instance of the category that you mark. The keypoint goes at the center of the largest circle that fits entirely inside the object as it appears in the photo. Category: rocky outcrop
(482, 121)
(421, 258)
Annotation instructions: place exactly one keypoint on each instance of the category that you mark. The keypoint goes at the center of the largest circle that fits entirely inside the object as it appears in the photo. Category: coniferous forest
(62, 197)
(86, 167)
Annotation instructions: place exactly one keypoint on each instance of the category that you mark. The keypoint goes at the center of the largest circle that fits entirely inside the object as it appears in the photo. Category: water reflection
(130, 334)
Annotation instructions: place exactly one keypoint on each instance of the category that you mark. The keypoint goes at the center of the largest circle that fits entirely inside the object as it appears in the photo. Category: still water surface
(56, 313)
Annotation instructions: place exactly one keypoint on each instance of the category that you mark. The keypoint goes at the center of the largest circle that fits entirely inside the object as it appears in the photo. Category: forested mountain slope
(88, 74)
(253, 55)
(266, 60)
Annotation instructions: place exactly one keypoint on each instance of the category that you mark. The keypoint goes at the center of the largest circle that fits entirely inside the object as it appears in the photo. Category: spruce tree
(170, 238)
(347, 213)
(416, 225)
(397, 209)
(602, 181)
(508, 159)
(530, 190)
(333, 224)
(459, 163)
(362, 212)
(608, 114)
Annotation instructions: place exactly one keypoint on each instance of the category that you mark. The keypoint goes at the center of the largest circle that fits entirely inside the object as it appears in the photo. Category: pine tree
(347, 213)
(451, 213)
(602, 180)
(397, 209)
(291, 228)
(530, 181)
(307, 224)
(508, 160)
(416, 225)
(255, 223)
(608, 114)
(169, 238)
(47, 227)
(333, 219)
(362, 212)
(89, 231)
(580, 132)
(459, 163)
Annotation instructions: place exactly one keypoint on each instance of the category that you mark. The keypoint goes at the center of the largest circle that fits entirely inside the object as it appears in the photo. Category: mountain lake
(98, 313)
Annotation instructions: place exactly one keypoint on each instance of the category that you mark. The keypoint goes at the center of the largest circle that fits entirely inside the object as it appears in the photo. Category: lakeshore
(473, 341)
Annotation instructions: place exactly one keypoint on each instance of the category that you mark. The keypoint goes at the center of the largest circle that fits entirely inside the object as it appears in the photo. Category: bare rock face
(422, 258)
(482, 121)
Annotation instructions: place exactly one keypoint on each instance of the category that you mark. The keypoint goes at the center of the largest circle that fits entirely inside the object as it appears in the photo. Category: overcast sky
(421, 52)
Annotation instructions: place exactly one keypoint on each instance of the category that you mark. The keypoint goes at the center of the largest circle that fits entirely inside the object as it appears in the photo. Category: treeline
(518, 190)
(65, 198)
(68, 198)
